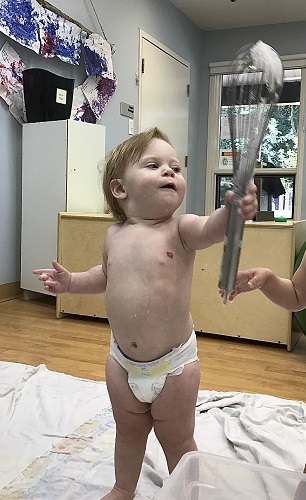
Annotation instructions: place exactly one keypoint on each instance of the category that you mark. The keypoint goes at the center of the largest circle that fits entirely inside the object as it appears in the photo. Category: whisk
(253, 87)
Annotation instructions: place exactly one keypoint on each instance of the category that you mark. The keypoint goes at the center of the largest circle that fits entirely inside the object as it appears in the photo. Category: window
(274, 193)
(278, 170)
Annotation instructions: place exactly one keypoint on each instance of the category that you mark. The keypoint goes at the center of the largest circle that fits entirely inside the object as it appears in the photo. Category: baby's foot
(118, 494)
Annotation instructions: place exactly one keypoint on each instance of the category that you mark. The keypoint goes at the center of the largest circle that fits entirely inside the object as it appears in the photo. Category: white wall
(10, 194)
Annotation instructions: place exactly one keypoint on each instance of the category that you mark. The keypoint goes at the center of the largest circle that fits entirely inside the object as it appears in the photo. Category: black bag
(47, 96)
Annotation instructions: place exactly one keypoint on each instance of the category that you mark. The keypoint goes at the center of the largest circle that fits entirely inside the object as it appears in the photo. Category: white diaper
(147, 378)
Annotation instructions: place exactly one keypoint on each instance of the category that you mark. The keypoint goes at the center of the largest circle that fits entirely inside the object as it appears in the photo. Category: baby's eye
(176, 169)
(152, 165)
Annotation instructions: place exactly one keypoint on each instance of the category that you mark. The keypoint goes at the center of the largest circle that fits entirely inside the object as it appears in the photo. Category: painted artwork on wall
(98, 91)
(39, 29)
(50, 35)
(11, 81)
(81, 110)
(59, 37)
(98, 57)
(18, 20)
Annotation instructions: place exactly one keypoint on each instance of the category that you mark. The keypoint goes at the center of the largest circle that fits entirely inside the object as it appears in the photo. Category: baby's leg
(133, 424)
(174, 414)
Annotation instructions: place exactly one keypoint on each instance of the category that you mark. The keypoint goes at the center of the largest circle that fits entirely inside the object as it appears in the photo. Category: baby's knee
(174, 438)
(134, 431)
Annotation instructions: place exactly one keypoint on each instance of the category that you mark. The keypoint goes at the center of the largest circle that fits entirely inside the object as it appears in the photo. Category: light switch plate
(131, 126)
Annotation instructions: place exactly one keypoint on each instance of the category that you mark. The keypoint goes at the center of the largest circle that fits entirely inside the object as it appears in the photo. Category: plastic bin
(202, 476)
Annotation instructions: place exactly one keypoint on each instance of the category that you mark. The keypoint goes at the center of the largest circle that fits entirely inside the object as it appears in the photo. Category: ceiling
(212, 15)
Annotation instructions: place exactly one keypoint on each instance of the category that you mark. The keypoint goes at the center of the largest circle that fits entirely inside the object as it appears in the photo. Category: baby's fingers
(43, 271)
(231, 296)
(45, 277)
(58, 267)
(50, 282)
(50, 286)
(248, 207)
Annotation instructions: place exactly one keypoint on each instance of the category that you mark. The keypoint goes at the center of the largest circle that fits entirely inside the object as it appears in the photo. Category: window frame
(217, 70)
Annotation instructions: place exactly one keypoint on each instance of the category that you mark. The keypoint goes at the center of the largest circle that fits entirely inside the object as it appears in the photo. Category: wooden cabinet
(59, 173)
(251, 316)
(80, 242)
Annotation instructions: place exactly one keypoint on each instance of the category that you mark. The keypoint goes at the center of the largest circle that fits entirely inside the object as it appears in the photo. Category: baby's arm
(91, 281)
(286, 293)
(201, 232)
(60, 280)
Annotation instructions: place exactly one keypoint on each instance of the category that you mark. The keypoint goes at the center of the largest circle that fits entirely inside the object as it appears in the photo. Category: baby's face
(154, 186)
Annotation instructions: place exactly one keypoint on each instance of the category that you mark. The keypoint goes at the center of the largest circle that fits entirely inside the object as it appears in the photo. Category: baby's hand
(248, 204)
(56, 280)
(248, 280)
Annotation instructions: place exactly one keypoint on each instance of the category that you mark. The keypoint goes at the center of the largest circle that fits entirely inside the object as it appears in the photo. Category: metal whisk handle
(231, 251)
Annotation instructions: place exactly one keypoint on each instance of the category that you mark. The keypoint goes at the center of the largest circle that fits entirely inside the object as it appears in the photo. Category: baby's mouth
(169, 186)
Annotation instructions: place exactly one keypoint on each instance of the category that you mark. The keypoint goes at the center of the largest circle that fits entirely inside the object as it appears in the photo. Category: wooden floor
(30, 334)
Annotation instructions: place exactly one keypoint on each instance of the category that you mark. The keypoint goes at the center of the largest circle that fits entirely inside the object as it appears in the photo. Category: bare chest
(147, 251)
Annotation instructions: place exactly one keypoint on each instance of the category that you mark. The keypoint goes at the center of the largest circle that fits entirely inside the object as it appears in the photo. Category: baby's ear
(117, 189)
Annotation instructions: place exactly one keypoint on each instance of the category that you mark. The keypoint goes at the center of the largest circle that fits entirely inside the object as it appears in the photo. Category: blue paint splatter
(95, 65)
(18, 20)
(68, 51)
(40, 30)
(58, 38)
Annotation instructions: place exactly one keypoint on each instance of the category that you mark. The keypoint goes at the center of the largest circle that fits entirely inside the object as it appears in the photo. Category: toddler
(152, 371)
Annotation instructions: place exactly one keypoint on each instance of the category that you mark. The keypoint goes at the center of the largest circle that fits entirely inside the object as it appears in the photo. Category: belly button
(134, 344)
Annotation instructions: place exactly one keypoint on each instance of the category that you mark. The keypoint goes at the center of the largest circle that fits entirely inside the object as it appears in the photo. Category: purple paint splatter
(85, 114)
(104, 91)
(98, 91)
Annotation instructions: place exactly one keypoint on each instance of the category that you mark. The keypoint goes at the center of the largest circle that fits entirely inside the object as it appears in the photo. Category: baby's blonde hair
(129, 151)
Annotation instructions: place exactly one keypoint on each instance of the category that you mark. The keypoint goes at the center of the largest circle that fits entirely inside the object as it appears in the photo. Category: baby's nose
(168, 171)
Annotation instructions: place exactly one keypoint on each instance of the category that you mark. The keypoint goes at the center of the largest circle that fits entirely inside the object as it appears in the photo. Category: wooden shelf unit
(251, 316)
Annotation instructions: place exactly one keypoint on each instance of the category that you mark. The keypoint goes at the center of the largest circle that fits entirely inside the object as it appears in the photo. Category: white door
(163, 96)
